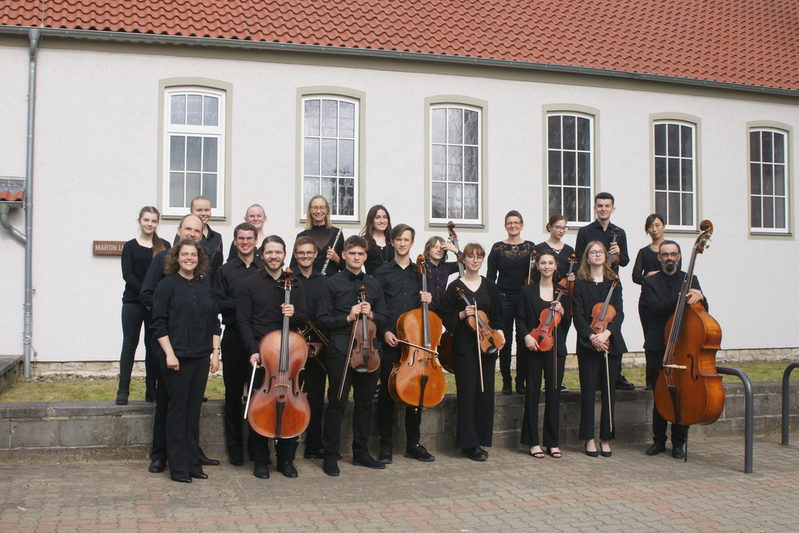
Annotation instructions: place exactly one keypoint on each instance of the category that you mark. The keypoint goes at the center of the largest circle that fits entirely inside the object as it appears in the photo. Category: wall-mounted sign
(107, 247)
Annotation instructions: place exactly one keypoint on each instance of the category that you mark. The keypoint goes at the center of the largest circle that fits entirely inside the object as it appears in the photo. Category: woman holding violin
(509, 266)
(377, 232)
(260, 308)
(598, 315)
(546, 319)
(470, 302)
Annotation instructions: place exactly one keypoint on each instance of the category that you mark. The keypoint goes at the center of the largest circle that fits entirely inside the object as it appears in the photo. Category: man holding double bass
(659, 295)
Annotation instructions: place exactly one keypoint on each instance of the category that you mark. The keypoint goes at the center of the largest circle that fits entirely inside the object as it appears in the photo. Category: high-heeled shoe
(590, 453)
(605, 453)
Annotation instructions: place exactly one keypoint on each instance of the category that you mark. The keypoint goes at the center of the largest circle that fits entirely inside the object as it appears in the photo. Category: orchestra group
(338, 318)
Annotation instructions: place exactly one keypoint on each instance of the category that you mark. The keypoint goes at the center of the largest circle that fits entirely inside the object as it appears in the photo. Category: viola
(279, 408)
(417, 379)
(364, 355)
(490, 339)
(446, 353)
(548, 321)
(688, 389)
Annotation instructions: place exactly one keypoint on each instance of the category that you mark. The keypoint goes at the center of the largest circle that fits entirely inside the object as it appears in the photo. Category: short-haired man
(236, 356)
(659, 294)
(615, 240)
(339, 308)
(210, 240)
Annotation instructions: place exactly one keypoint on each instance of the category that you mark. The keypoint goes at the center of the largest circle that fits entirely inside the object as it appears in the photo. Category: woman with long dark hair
(376, 231)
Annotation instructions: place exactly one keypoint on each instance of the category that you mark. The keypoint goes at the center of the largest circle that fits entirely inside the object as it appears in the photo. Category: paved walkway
(509, 492)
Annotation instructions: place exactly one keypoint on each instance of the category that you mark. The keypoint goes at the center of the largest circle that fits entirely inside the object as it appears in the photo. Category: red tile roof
(750, 42)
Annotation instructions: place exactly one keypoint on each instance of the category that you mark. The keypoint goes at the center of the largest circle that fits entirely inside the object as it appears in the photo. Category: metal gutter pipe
(27, 332)
(4, 210)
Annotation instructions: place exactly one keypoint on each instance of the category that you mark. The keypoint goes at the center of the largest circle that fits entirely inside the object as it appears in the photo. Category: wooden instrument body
(490, 340)
(417, 380)
(701, 392)
(548, 321)
(446, 351)
(364, 353)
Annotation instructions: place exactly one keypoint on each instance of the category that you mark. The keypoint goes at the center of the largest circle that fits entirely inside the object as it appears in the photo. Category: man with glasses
(659, 295)
(235, 355)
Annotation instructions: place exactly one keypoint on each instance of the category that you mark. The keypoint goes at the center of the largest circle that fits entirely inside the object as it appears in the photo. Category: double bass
(445, 352)
(279, 408)
(417, 379)
(688, 389)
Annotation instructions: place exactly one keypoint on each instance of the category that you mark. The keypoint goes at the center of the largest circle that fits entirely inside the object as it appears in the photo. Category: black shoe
(198, 475)
(261, 471)
(656, 448)
(330, 466)
(386, 455)
(236, 459)
(604, 453)
(623, 384)
(123, 391)
(313, 454)
(594, 453)
(677, 452)
(149, 396)
(368, 461)
(562, 388)
(205, 399)
(648, 388)
(181, 479)
(420, 453)
(287, 468)
(507, 390)
(520, 388)
(207, 461)
(156, 466)
(476, 453)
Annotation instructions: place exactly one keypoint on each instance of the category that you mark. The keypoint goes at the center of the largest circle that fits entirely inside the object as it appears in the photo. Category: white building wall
(96, 165)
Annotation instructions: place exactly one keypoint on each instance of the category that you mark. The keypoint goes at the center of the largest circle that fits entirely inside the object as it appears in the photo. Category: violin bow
(249, 392)
(610, 400)
(479, 351)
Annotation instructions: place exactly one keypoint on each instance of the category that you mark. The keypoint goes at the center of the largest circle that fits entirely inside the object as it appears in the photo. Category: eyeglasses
(245, 239)
(560, 228)
(319, 208)
(596, 252)
(669, 254)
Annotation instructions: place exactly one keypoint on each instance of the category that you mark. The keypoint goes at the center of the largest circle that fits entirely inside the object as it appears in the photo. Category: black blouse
(377, 256)
(530, 306)
(586, 295)
(562, 257)
(488, 300)
(645, 261)
(324, 239)
(136, 260)
(509, 265)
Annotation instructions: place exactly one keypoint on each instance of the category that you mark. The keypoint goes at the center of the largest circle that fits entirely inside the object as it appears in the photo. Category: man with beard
(659, 296)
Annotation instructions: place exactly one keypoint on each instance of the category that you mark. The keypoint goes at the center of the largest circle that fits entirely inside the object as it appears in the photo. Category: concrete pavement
(510, 492)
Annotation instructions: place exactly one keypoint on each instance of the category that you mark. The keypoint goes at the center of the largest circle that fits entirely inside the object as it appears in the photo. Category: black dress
(324, 238)
(377, 256)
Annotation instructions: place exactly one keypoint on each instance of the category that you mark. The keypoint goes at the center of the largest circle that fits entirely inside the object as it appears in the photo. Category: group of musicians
(339, 281)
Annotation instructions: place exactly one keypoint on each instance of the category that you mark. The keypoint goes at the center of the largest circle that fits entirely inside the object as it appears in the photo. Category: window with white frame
(570, 165)
(768, 174)
(194, 148)
(455, 164)
(675, 173)
(330, 153)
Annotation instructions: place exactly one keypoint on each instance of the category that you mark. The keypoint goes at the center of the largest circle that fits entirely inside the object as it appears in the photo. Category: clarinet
(327, 261)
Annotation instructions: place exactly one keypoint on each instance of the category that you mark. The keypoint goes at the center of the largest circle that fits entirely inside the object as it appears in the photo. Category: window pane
(768, 147)
(584, 169)
(768, 179)
(470, 201)
(569, 170)
(569, 133)
(329, 117)
(661, 174)
(779, 180)
(454, 126)
(687, 141)
(439, 200)
(177, 153)
(554, 201)
(470, 128)
(193, 153)
(757, 221)
(177, 113)
(673, 141)
(210, 154)
(327, 188)
(674, 174)
(583, 134)
(583, 205)
(687, 210)
(687, 175)
(439, 163)
(768, 212)
(439, 125)
(209, 187)
(569, 202)
(194, 110)
(779, 213)
(454, 163)
(754, 146)
(193, 185)
(554, 168)
(755, 179)
(553, 130)
(470, 163)
(328, 157)
(346, 158)
(660, 139)
(346, 192)
(176, 192)
(660, 204)
(311, 157)
(346, 121)
(779, 148)
(310, 188)
(211, 111)
(673, 212)
(311, 119)
(454, 200)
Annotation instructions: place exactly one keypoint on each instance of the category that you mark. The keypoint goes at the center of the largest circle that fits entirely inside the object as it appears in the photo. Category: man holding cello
(659, 295)
(402, 286)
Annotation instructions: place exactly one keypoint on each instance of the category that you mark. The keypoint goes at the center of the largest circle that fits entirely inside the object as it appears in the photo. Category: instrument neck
(284, 337)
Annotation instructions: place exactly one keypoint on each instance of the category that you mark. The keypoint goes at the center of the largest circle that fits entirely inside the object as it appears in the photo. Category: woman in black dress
(376, 231)
(137, 254)
(594, 280)
(541, 295)
(186, 326)
(475, 417)
(328, 238)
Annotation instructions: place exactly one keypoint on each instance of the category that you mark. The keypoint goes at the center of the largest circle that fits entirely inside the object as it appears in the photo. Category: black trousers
(386, 407)
(133, 316)
(510, 317)
(313, 380)
(285, 449)
(158, 449)
(679, 432)
(475, 417)
(539, 363)
(592, 376)
(236, 374)
(186, 387)
(364, 385)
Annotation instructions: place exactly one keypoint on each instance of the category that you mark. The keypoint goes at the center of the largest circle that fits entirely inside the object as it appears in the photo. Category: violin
(572, 260)
(417, 379)
(615, 259)
(364, 354)
(688, 389)
(279, 408)
(490, 341)
(602, 314)
(446, 353)
(548, 321)
(531, 269)
(453, 238)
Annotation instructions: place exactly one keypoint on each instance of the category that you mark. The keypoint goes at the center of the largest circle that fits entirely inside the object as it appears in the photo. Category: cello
(445, 352)
(279, 408)
(417, 379)
(688, 389)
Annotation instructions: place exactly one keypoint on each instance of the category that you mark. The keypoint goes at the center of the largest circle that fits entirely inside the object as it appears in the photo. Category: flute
(327, 261)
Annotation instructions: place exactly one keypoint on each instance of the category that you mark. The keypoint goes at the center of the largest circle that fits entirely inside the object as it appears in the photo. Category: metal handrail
(786, 400)
(749, 401)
